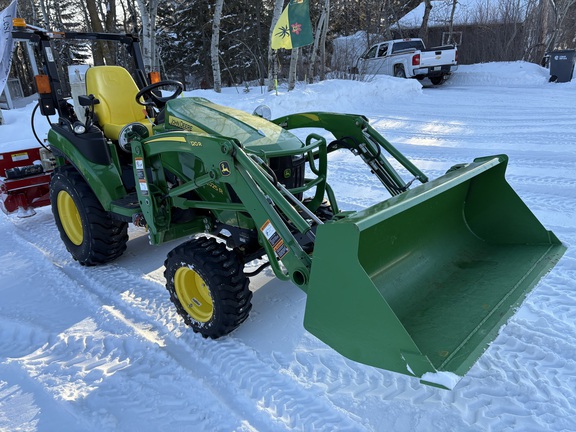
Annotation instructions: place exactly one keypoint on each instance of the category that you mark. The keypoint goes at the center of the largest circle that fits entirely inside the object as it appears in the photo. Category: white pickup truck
(409, 58)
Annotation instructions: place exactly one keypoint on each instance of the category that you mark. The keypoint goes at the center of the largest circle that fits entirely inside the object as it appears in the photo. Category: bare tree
(322, 22)
(423, 32)
(148, 14)
(451, 24)
(272, 56)
(130, 16)
(45, 15)
(323, 35)
(292, 71)
(539, 27)
(561, 10)
(100, 51)
(215, 45)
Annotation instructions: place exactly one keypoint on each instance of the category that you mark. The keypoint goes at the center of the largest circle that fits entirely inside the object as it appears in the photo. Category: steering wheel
(158, 101)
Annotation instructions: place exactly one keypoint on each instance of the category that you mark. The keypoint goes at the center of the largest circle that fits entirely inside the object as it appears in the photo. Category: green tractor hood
(254, 133)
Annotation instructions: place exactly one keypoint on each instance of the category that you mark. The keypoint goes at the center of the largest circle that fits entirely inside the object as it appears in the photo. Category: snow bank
(347, 50)
(500, 74)
(16, 132)
(345, 96)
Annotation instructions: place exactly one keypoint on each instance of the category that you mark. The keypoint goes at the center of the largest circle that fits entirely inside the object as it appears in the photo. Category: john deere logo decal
(225, 168)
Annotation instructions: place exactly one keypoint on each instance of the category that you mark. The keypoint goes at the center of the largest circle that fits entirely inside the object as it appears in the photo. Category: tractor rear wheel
(90, 234)
(207, 285)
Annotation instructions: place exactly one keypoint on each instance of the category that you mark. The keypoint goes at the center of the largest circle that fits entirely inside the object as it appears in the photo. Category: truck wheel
(399, 71)
(90, 234)
(437, 80)
(207, 285)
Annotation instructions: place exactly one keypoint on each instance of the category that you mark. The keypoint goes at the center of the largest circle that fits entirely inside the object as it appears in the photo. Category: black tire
(90, 234)
(399, 71)
(437, 80)
(207, 285)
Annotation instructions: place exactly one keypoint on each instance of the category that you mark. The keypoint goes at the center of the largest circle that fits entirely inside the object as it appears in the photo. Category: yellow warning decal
(274, 239)
(19, 156)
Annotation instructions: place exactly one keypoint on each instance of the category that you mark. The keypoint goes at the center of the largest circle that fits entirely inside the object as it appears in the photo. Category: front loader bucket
(421, 283)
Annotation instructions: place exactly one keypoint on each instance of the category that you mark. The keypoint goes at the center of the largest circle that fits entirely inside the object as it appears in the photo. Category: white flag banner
(6, 44)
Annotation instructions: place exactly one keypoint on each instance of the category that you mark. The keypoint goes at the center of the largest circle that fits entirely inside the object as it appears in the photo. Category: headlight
(130, 132)
(79, 128)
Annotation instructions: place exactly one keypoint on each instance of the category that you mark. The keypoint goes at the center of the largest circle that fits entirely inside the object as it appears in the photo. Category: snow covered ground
(102, 349)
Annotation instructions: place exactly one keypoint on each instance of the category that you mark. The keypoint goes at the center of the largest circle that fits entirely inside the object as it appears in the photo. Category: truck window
(406, 45)
(371, 52)
(382, 50)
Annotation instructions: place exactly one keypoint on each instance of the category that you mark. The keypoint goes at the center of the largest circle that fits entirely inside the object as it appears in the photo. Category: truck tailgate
(438, 57)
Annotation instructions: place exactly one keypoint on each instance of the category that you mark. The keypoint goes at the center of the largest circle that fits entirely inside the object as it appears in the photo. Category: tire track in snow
(14, 399)
(518, 159)
(325, 372)
(526, 359)
(525, 374)
(487, 399)
(250, 382)
(78, 368)
(16, 337)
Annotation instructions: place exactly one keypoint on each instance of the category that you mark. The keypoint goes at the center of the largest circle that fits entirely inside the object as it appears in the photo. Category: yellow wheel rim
(70, 218)
(193, 294)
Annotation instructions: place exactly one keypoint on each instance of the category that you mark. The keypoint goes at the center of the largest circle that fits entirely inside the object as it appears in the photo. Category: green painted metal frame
(423, 282)
(105, 180)
(378, 289)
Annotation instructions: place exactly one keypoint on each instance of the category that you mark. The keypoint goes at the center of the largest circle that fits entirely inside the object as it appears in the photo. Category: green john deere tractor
(418, 284)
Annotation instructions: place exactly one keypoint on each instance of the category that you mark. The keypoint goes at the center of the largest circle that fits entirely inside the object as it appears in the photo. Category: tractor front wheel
(207, 285)
(90, 234)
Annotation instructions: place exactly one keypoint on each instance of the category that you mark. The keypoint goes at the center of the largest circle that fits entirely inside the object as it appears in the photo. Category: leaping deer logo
(225, 169)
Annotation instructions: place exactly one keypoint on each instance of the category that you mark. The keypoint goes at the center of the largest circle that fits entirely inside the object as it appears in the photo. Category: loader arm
(353, 132)
(224, 163)
(419, 283)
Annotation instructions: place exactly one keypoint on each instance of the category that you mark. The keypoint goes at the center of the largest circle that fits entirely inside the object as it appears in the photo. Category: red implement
(24, 184)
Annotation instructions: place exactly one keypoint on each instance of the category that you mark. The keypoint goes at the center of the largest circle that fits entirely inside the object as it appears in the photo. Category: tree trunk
(148, 13)
(85, 14)
(272, 56)
(260, 59)
(45, 16)
(320, 43)
(423, 32)
(130, 20)
(110, 27)
(314, 53)
(323, 41)
(561, 10)
(293, 64)
(100, 50)
(215, 45)
(451, 26)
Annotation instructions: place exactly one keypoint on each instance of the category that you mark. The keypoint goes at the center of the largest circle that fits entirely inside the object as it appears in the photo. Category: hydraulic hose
(34, 129)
